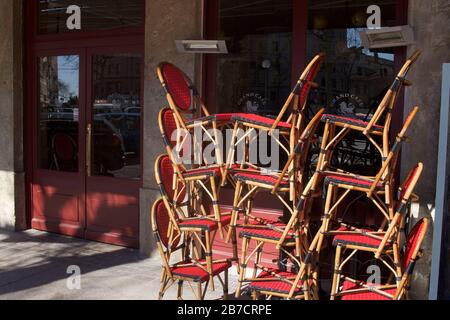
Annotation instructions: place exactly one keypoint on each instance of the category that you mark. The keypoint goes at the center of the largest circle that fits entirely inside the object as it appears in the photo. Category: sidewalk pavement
(34, 266)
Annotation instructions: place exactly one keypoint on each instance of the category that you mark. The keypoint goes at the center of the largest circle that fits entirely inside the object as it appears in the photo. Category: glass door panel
(116, 116)
(59, 111)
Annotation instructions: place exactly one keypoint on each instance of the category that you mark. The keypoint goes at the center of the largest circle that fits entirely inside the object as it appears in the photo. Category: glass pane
(116, 112)
(95, 15)
(353, 80)
(59, 113)
(256, 74)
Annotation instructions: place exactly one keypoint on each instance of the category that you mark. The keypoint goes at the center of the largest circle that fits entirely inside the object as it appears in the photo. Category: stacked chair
(290, 235)
(188, 217)
(196, 272)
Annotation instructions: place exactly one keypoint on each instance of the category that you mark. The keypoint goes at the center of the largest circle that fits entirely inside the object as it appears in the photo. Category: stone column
(12, 177)
(165, 22)
(429, 20)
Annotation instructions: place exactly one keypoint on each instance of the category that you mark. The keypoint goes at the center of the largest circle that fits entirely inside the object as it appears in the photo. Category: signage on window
(74, 20)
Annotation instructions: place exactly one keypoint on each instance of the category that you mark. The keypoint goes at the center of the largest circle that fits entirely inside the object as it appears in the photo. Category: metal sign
(202, 46)
(388, 37)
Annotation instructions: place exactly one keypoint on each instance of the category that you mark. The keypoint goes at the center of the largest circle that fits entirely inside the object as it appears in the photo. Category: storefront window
(256, 74)
(353, 80)
(94, 15)
(116, 150)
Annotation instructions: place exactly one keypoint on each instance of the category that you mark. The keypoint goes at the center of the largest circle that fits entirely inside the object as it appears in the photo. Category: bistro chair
(64, 152)
(200, 181)
(289, 130)
(380, 243)
(371, 187)
(338, 127)
(263, 231)
(351, 289)
(170, 241)
(272, 283)
(188, 108)
(198, 228)
(337, 186)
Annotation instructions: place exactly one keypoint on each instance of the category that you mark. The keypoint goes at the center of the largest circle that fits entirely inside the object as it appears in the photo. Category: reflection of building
(116, 79)
(48, 82)
(349, 70)
(243, 74)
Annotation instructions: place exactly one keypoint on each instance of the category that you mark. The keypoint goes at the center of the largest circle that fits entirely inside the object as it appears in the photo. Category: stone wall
(166, 21)
(12, 177)
(430, 21)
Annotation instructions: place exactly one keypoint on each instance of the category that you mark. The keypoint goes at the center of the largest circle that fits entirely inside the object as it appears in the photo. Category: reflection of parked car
(136, 110)
(107, 145)
(57, 116)
(105, 108)
(128, 125)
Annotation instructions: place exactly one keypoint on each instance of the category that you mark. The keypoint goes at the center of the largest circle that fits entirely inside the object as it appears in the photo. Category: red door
(87, 141)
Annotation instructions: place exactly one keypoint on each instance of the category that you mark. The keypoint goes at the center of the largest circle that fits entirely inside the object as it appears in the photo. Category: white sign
(74, 21)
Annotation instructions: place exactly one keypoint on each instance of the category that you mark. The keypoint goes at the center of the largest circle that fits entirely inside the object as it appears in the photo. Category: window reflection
(59, 113)
(95, 15)
(116, 116)
(256, 74)
(353, 80)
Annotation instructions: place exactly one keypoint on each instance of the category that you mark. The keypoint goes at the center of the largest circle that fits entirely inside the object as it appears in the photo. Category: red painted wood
(112, 204)
(211, 21)
(95, 208)
(299, 32)
(57, 197)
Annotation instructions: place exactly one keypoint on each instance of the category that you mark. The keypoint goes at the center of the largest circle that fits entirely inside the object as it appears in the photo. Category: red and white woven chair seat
(202, 172)
(259, 120)
(366, 295)
(361, 240)
(261, 179)
(219, 117)
(208, 224)
(271, 231)
(275, 285)
(351, 181)
(196, 273)
(336, 119)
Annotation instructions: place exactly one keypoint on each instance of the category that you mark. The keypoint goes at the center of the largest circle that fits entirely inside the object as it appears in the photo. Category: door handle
(89, 150)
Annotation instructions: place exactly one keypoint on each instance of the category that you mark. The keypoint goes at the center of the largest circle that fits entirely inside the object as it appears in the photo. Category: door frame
(38, 174)
(35, 44)
(102, 181)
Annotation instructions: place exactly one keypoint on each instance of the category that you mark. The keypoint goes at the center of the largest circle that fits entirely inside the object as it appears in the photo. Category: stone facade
(429, 19)
(12, 177)
(166, 21)
(169, 20)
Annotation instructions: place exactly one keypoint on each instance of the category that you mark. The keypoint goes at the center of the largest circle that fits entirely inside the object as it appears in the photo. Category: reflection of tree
(73, 101)
(100, 63)
(71, 62)
(63, 89)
